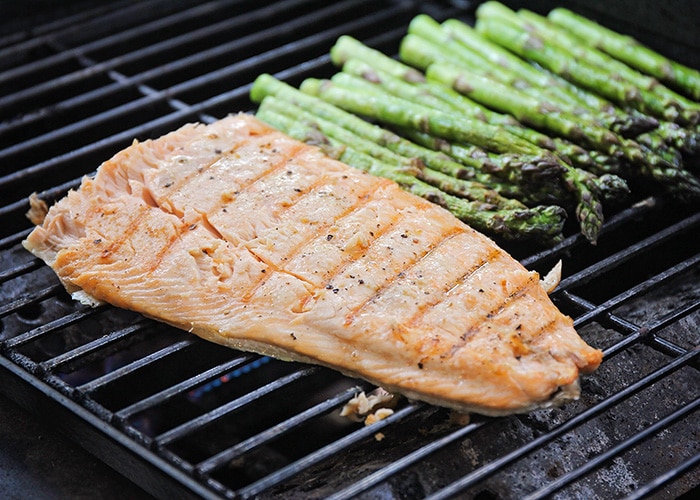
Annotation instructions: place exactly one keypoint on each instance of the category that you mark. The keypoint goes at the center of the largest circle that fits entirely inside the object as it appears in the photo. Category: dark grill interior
(183, 417)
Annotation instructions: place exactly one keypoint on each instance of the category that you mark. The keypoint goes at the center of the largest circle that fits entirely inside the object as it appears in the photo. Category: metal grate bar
(13, 239)
(81, 22)
(170, 44)
(322, 453)
(120, 37)
(406, 461)
(219, 460)
(29, 299)
(603, 458)
(194, 424)
(538, 442)
(51, 326)
(664, 478)
(611, 224)
(179, 388)
(20, 269)
(107, 378)
(608, 263)
(639, 289)
(90, 347)
(648, 332)
(151, 95)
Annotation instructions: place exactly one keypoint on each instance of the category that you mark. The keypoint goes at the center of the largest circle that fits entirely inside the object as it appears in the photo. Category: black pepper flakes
(329, 237)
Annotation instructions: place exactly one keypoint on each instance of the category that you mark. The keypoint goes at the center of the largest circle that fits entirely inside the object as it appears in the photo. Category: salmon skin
(250, 239)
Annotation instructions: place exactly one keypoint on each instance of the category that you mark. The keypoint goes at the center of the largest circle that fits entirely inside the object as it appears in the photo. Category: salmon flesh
(248, 238)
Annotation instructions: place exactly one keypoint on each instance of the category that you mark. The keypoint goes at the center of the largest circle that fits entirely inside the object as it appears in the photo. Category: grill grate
(180, 416)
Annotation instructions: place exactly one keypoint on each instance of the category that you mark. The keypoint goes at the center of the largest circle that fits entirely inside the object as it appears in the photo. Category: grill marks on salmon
(256, 241)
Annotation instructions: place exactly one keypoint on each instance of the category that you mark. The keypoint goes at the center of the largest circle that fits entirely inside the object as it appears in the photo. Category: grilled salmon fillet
(253, 240)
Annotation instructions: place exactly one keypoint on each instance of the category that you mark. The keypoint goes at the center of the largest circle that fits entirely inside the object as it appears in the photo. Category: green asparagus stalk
(650, 164)
(541, 223)
(528, 171)
(462, 45)
(465, 188)
(503, 26)
(475, 168)
(525, 108)
(396, 77)
(373, 67)
(347, 47)
(491, 64)
(630, 51)
(402, 113)
(442, 98)
(628, 123)
(508, 167)
(531, 47)
(690, 110)
(589, 190)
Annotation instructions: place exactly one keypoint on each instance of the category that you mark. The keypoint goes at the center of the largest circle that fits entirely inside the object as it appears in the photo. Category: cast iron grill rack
(180, 416)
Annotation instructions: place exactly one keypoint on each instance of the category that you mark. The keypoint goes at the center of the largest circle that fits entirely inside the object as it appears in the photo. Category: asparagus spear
(402, 113)
(489, 64)
(650, 164)
(406, 82)
(533, 48)
(690, 110)
(526, 171)
(442, 98)
(628, 123)
(525, 108)
(466, 188)
(542, 223)
(630, 51)
(462, 45)
(347, 47)
(395, 76)
(476, 167)
(503, 26)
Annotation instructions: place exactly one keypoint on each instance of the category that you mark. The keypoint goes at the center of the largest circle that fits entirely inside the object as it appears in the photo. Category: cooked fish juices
(256, 241)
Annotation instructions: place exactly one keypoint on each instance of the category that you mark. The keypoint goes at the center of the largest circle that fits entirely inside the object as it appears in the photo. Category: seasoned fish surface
(253, 240)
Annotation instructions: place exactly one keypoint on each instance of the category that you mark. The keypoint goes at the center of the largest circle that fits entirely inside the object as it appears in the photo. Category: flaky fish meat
(248, 238)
